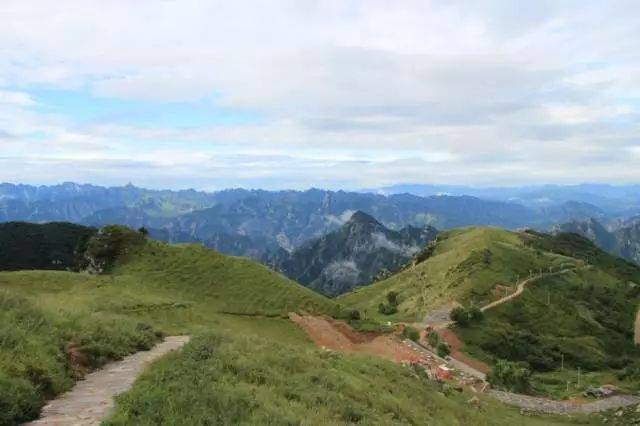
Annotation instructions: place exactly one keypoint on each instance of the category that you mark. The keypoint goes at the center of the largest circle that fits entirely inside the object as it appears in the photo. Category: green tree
(443, 349)
(433, 339)
(411, 333)
(475, 314)
(392, 298)
(510, 376)
(460, 316)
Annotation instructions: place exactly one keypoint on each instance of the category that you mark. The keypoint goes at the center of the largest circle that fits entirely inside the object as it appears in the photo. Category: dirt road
(91, 400)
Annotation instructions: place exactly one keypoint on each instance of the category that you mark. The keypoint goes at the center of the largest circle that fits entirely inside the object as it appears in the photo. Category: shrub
(465, 317)
(475, 314)
(460, 316)
(349, 314)
(19, 400)
(392, 298)
(411, 333)
(109, 244)
(387, 309)
(443, 349)
(510, 376)
(433, 338)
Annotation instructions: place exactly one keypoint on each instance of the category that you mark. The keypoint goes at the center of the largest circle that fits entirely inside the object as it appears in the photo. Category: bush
(460, 316)
(433, 338)
(443, 349)
(108, 245)
(510, 376)
(475, 314)
(19, 400)
(392, 298)
(465, 317)
(349, 315)
(387, 309)
(411, 333)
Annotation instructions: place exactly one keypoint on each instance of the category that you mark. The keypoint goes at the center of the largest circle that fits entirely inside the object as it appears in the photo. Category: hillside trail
(91, 400)
(521, 286)
(440, 318)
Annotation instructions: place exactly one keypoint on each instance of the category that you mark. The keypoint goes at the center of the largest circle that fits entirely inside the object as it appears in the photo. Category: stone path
(91, 400)
(543, 405)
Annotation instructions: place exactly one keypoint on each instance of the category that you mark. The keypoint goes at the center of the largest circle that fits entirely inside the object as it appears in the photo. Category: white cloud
(349, 93)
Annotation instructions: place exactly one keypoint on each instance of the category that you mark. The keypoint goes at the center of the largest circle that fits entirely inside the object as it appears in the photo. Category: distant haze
(331, 94)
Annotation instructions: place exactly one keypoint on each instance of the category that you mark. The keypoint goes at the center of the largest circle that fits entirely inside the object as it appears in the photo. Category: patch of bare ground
(456, 351)
(328, 333)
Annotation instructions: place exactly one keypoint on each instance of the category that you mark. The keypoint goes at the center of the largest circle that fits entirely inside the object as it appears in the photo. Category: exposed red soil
(338, 336)
(456, 351)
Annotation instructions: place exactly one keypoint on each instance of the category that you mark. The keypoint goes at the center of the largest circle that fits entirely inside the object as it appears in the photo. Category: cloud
(332, 93)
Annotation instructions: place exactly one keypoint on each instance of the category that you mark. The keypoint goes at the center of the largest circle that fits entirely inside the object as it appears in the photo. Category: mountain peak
(361, 217)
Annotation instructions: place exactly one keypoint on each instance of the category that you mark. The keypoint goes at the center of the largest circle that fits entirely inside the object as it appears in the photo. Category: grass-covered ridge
(258, 367)
(465, 265)
(581, 318)
(51, 321)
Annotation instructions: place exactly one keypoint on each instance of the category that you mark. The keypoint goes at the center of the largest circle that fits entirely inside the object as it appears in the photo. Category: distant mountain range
(355, 254)
(615, 200)
(622, 240)
(256, 222)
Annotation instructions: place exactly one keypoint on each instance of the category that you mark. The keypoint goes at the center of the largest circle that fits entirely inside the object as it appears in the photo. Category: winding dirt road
(520, 288)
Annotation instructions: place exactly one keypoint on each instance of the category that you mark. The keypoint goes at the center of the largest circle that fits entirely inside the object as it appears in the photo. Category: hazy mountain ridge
(353, 255)
(245, 222)
(257, 222)
(623, 241)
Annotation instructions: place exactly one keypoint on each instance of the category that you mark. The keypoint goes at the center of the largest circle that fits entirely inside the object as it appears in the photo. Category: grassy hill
(582, 318)
(55, 325)
(465, 265)
(247, 363)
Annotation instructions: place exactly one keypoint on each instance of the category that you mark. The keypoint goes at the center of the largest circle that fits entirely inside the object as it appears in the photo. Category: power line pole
(578, 376)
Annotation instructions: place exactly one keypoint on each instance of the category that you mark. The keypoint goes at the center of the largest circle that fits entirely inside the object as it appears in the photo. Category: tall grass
(42, 353)
(219, 379)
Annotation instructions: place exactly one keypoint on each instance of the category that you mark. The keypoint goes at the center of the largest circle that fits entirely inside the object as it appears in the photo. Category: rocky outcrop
(356, 254)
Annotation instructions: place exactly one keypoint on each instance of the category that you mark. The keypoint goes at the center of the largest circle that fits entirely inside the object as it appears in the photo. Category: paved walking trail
(544, 405)
(91, 400)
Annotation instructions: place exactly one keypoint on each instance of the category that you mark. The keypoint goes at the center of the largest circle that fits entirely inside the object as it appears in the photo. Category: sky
(332, 94)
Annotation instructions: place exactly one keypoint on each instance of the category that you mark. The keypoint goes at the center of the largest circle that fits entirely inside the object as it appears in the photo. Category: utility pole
(578, 376)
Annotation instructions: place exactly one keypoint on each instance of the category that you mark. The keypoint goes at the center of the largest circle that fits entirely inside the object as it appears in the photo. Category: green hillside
(48, 315)
(580, 317)
(465, 265)
(247, 362)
